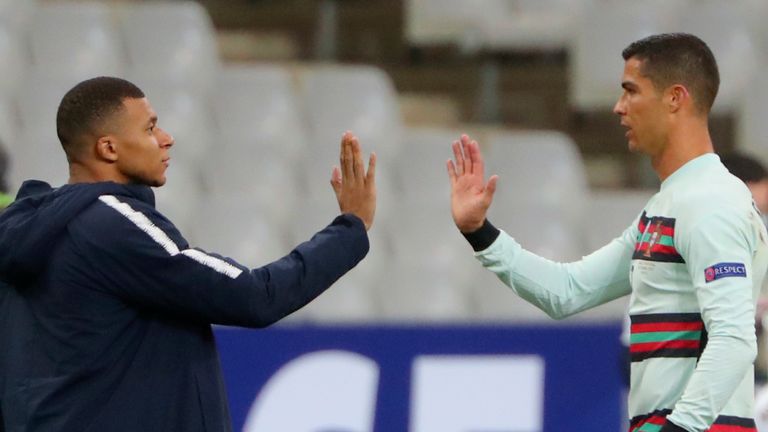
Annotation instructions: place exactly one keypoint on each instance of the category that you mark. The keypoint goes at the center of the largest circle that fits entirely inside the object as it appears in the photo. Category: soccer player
(693, 260)
(106, 310)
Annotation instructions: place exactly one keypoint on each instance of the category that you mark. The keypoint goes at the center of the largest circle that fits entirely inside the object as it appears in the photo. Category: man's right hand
(355, 189)
(470, 196)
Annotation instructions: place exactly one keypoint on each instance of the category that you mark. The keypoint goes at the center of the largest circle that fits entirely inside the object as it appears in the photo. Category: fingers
(351, 159)
(358, 171)
(458, 157)
(370, 178)
(451, 171)
(345, 156)
(465, 145)
(490, 188)
(476, 164)
(336, 181)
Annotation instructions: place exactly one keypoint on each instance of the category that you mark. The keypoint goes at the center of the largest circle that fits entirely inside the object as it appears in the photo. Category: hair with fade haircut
(678, 58)
(87, 106)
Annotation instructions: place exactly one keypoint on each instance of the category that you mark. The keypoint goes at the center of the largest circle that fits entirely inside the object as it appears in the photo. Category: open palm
(470, 195)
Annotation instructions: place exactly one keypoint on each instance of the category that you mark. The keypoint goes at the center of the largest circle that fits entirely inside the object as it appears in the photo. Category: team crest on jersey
(656, 240)
(724, 270)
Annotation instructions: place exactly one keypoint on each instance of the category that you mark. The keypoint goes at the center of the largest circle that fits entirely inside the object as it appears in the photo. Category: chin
(156, 182)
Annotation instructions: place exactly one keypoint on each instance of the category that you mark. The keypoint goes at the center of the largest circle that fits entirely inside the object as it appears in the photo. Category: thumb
(336, 181)
(490, 188)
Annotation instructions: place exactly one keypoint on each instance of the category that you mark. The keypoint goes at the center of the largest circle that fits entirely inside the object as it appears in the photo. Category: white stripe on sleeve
(217, 264)
(160, 237)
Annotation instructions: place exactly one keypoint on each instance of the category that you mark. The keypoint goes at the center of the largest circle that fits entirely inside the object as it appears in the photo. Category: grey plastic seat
(257, 110)
(75, 41)
(171, 41)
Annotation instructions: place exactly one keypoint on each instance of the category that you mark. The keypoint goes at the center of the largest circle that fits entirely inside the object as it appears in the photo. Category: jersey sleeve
(718, 253)
(139, 260)
(563, 289)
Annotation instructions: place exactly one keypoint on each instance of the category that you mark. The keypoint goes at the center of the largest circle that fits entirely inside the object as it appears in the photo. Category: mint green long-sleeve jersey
(693, 262)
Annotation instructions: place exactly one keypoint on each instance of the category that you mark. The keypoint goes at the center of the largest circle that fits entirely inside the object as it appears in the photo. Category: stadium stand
(72, 40)
(171, 41)
(264, 129)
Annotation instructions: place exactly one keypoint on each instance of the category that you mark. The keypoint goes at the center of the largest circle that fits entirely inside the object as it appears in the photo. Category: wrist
(470, 227)
(481, 237)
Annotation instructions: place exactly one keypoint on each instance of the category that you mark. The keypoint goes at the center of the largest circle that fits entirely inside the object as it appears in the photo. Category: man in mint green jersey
(693, 260)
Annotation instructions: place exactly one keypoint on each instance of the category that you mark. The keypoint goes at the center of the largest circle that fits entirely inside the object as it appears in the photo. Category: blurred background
(257, 94)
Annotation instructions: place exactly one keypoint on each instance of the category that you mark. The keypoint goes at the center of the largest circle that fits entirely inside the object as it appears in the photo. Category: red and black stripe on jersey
(666, 335)
(654, 421)
(656, 240)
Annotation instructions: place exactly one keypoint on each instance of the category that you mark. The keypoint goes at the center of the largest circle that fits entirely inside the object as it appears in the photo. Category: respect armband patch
(724, 270)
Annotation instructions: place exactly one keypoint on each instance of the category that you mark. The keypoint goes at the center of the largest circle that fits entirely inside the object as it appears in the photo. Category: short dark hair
(678, 58)
(87, 105)
(746, 168)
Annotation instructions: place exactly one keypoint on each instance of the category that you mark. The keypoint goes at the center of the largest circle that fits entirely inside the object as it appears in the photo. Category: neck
(88, 173)
(687, 141)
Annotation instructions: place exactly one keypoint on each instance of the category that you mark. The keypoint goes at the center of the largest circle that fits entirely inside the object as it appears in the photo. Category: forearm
(559, 289)
(725, 363)
(286, 285)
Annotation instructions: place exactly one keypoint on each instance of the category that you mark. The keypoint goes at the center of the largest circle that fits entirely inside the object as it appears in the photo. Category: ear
(106, 148)
(678, 97)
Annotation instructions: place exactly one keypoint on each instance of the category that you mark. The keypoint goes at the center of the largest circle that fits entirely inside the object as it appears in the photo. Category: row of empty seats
(254, 149)
(733, 30)
(594, 32)
(64, 41)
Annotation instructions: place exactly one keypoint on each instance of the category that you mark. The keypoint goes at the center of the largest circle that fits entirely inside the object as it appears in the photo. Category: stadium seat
(758, 13)
(492, 25)
(14, 59)
(751, 127)
(17, 13)
(257, 111)
(421, 173)
(610, 212)
(433, 267)
(459, 22)
(537, 169)
(171, 41)
(725, 28)
(38, 155)
(361, 99)
(257, 174)
(237, 226)
(75, 41)
(37, 152)
(603, 31)
(533, 25)
(9, 129)
(355, 298)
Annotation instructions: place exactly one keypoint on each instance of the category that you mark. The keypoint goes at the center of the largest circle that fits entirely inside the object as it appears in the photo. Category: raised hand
(470, 195)
(355, 189)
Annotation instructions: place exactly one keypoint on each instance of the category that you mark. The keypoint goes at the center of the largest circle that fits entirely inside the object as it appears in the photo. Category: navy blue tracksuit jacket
(106, 311)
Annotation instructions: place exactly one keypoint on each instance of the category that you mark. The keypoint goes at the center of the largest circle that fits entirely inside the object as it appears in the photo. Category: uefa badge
(709, 274)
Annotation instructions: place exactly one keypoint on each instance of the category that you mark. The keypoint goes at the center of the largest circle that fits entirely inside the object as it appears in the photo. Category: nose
(166, 139)
(618, 107)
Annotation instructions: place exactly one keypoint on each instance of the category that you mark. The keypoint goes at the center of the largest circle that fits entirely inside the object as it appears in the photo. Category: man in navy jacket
(106, 310)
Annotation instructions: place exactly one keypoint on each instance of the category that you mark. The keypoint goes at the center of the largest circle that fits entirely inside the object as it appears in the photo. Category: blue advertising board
(490, 378)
